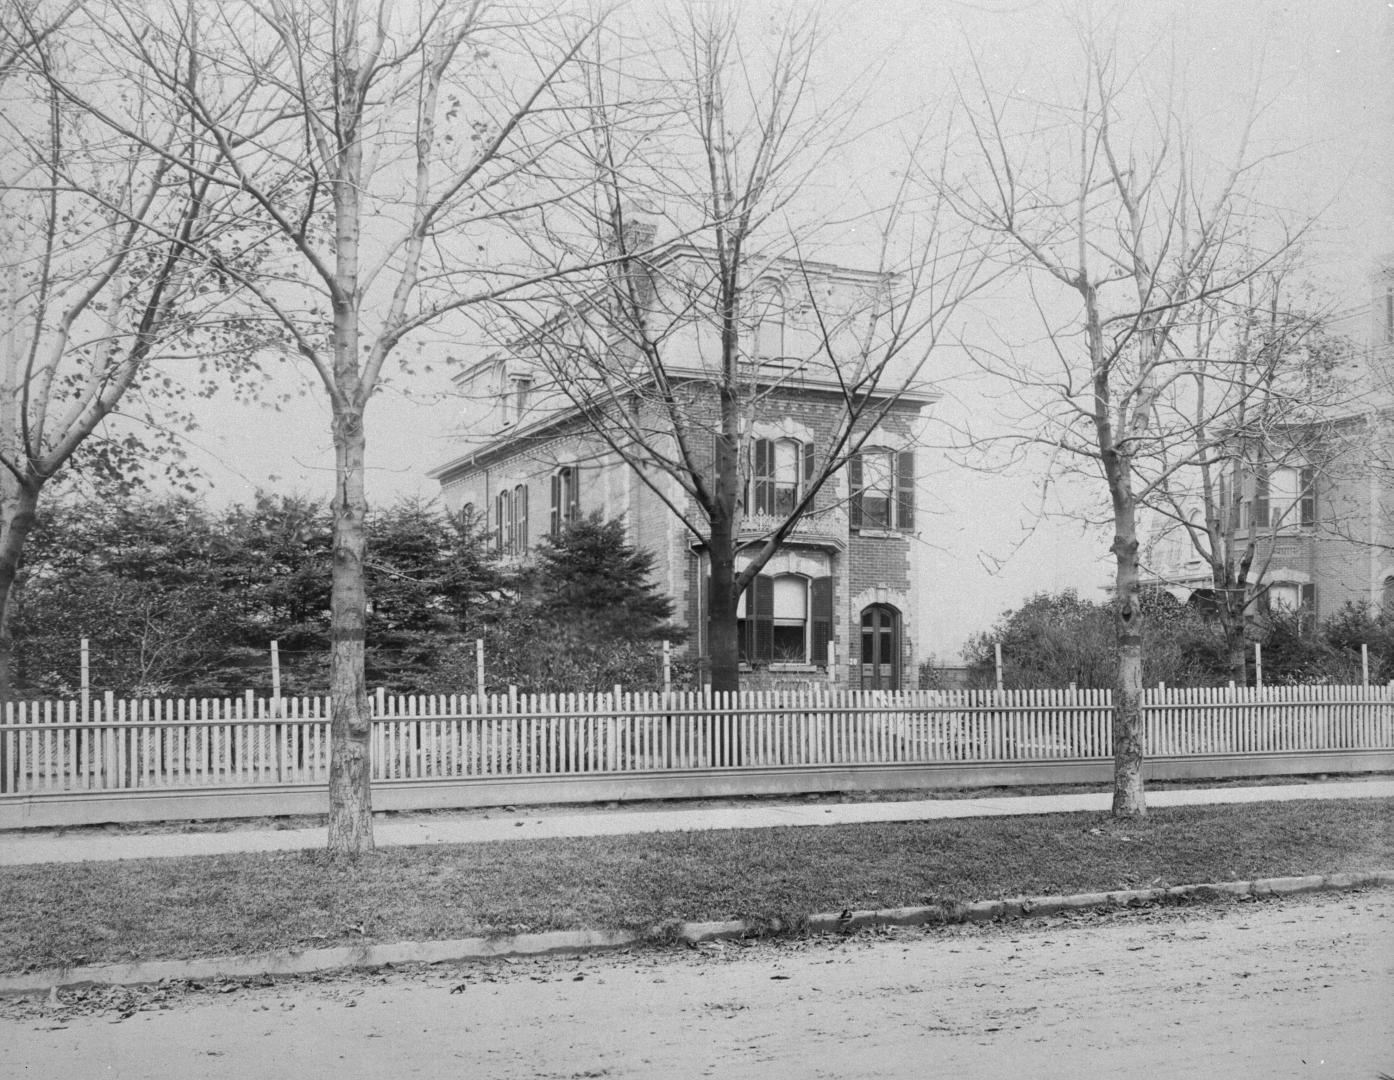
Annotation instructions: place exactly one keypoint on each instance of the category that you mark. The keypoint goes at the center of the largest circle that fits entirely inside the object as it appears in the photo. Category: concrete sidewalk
(538, 823)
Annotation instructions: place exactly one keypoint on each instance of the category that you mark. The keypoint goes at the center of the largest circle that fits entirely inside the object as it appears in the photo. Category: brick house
(839, 588)
(1319, 498)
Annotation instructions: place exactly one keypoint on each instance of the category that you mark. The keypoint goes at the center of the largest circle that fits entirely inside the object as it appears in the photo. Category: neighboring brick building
(1323, 503)
(528, 462)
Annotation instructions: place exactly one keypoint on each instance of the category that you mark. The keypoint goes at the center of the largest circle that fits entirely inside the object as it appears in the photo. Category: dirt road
(1272, 989)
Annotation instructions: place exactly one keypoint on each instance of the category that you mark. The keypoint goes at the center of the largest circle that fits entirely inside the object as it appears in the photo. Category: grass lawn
(208, 906)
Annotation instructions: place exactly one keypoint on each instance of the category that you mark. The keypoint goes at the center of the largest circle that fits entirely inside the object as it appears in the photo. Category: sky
(989, 539)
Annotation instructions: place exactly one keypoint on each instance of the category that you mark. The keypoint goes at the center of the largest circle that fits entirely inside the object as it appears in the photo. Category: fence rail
(151, 745)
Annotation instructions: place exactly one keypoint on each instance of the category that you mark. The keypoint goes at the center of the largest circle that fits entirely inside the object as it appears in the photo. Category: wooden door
(880, 648)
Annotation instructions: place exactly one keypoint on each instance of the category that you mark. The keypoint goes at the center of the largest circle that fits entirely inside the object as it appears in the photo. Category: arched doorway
(880, 648)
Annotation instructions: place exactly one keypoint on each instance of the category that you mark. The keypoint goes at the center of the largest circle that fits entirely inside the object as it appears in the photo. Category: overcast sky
(1325, 70)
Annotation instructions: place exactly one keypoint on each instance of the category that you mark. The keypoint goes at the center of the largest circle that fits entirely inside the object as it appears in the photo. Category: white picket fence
(172, 744)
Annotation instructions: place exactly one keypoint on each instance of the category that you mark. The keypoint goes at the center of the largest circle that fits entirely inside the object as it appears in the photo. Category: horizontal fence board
(170, 744)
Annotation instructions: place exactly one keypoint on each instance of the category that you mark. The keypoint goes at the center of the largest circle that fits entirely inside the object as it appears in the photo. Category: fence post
(1364, 664)
(1258, 665)
(832, 662)
(997, 655)
(7, 754)
(109, 736)
(479, 667)
(667, 665)
(85, 676)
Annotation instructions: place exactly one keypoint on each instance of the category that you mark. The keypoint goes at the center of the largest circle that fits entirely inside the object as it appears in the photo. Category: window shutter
(498, 522)
(747, 629)
(1307, 510)
(905, 490)
(554, 524)
(1260, 509)
(821, 602)
(854, 485)
(760, 615)
(807, 464)
(522, 517)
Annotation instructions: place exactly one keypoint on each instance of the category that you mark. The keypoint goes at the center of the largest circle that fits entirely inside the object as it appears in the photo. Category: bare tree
(1124, 236)
(1267, 388)
(675, 353)
(103, 295)
(372, 147)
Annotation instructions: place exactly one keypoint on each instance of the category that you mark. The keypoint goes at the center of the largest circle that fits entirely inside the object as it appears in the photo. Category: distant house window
(1280, 498)
(1307, 497)
(782, 468)
(566, 499)
(1294, 599)
(511, 521)
(785, 619)
(1253, 511)
(882, 486)
(767, 312)
(519, 396)
(520, 519)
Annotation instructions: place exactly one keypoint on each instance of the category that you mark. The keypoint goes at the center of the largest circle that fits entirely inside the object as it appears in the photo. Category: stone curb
(307, 961)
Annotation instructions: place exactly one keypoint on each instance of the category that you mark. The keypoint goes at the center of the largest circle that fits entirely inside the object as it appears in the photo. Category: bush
(1054, 640)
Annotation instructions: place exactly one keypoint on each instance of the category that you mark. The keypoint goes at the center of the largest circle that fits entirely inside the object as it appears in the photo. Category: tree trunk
(721, 613)
(20, 503)
(1128, 730)
(1236, 658)
(350, 764)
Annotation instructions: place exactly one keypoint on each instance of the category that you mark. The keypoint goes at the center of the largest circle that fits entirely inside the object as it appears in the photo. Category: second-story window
(780, 470)
(566, 499)
(1279, 498)
(882, 485)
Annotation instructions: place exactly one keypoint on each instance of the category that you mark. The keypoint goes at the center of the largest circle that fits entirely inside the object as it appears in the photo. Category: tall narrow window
(790, 617)
(566, 499)
(1254, 511)
(501, 522)
(520, 519)
(1307, 496)
(767, 306)
(519, 397)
